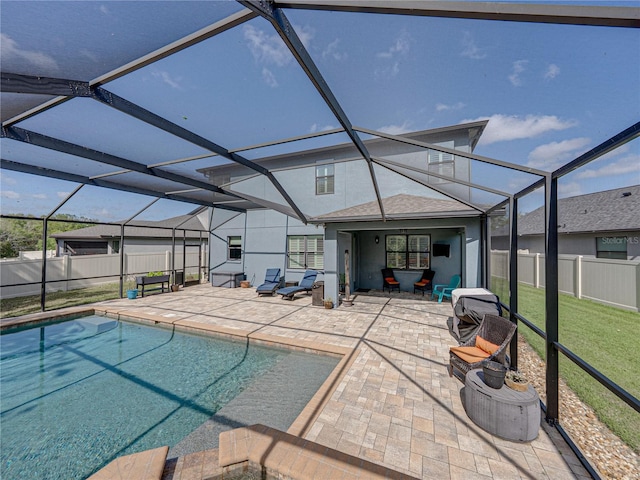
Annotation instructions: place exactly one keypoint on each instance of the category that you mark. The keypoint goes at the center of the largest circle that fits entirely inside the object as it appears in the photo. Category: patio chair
(426, 282)
(444, 291)
(305, 285)
(389, 280)
(489, 343)
(271, 282)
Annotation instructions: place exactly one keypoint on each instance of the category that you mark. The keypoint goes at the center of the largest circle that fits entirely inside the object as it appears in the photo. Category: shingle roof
(399, 207)
(611, 210)
(140, 229)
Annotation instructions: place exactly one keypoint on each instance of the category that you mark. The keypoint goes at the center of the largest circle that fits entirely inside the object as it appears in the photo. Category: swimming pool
(77, 394)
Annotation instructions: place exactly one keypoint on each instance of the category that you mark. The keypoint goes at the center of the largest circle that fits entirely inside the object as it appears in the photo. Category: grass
(605, 337)
(13, 307)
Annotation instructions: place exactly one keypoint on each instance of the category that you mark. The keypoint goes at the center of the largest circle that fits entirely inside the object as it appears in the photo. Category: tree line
(25, 234)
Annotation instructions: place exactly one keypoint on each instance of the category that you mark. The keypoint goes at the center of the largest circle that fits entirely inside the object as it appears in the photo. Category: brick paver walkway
(395, 405)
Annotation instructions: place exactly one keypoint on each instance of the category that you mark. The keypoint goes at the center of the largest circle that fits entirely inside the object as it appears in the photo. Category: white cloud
(168, 79)
(627, 165)
(400, 46)
(441, 107)
(40, 196)
(552, 72)
(570, 189)
(267, 49)
(555, 154)
(10, 49)
(317, 128)
(514, 127)
(517, 69)
(269, 78)
(334, 52)
(9, 194)
(4, 178)
(470, 49)
(396, 129)
(62, 195)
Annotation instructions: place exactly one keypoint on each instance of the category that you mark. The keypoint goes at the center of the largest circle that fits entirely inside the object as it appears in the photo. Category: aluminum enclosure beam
(458, 153)
(427, 185)
(72, 177)
(157, 121)
(207, 32)
(16, 83)
(281, 24)
(512, 12)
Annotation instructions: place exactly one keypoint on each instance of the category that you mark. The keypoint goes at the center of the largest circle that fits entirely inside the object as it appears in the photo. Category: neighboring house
(603, 225)
(139, 237)
(333, 188)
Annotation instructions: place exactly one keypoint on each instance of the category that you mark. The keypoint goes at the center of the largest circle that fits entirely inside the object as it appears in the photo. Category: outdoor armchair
(271, 282)
(389, 280)
(490, 342)
(426, 282)
(444, 291)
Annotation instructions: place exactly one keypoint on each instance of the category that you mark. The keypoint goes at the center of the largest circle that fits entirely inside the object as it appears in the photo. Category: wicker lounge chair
(489, 343)
(271, 282)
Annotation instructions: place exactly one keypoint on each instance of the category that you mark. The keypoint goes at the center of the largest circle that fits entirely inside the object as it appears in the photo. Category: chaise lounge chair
(306, 284)
(271, 282)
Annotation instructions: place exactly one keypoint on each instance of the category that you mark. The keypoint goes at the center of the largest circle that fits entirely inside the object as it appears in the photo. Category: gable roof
(140, 229)
(399, 207)
(608, 211)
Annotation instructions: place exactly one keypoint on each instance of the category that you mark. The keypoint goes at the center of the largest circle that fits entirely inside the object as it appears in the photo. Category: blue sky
(550, 92)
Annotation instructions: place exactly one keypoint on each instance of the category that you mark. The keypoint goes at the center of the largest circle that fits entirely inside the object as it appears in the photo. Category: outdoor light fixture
(377, 239)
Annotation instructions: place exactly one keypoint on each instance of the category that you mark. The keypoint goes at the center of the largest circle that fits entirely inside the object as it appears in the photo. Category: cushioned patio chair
(426, 282)
(305, 285)
(490, 342)
(271, 282)
(444, 291)
(389, 280)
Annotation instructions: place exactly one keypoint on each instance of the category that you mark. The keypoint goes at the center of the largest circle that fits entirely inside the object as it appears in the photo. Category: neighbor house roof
(608, 211)
(140, 229)
(399, 207)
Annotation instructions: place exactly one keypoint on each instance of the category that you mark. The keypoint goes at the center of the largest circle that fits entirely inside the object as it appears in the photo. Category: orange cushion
(470, 354)
(390, 280)
(421, 284)
(486, 345)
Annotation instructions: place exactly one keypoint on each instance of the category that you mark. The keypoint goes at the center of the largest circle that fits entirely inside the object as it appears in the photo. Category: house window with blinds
(324, 179)
(442, 164)
(235, 248)
(305, 252)
(408, 252)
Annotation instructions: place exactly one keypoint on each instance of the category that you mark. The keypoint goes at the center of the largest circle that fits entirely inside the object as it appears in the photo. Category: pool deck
(390, 402)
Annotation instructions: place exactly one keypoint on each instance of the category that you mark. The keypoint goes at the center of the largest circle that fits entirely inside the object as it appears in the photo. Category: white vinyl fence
(73, 272)
(613, 282)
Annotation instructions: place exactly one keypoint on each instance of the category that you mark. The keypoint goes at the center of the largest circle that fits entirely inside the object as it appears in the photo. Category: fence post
(536, 271)
(66, 262)
(578, 277)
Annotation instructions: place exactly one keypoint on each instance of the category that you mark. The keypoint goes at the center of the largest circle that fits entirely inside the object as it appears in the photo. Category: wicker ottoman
(503, 412)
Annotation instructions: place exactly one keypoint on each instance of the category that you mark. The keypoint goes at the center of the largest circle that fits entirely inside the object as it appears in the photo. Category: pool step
(147, 465)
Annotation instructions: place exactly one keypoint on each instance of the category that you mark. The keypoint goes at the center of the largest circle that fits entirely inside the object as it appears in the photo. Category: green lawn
(13, 307)
(605, 337)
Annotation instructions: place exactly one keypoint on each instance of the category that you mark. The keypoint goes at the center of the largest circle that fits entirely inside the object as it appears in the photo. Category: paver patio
(395, 405)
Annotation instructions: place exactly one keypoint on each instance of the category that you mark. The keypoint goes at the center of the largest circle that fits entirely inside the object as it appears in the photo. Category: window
(305, 251)
(611, 247)
(85, 247)
(324, 179)
(442, 164)
(408, 251)
(235, 248)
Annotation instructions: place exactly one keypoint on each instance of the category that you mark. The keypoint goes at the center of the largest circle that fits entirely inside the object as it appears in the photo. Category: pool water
(76, 395)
